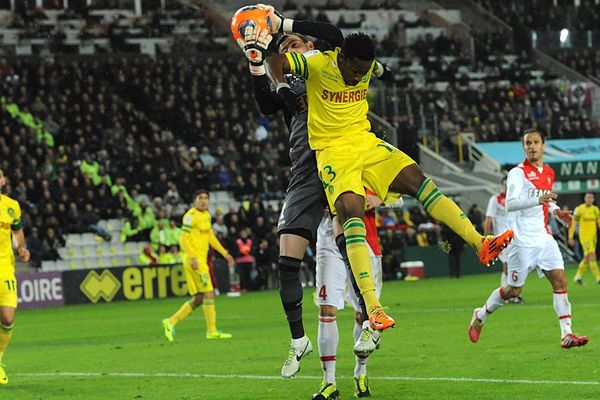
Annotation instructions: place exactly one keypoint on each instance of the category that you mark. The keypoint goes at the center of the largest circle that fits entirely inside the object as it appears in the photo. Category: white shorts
(523, 260)
(333, 281)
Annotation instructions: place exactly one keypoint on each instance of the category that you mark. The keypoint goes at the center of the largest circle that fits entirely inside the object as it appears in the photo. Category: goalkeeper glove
(278, 22)
(255, 44)
(289, 98)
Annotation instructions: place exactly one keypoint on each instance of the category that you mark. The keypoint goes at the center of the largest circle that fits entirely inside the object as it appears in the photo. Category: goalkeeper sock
(445, 210)
(186, 309)
(5, 335)
(210, 315)
(360, 261)
(594, 269)
(290, 292)
(581, 269)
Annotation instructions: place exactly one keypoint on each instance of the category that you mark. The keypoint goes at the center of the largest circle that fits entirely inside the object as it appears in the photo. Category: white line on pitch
(267, 377)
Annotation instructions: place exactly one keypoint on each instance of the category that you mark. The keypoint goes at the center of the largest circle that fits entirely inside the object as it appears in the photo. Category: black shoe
(326, 392)
(362, 387)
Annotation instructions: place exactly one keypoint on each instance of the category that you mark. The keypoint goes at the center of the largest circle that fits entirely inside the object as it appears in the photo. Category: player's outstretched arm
(382, 72)
(277, 66)
(267, 100)
(319, 30)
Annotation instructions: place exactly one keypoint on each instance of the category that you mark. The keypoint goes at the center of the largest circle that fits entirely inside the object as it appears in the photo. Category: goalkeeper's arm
(323, 31)
(266, 98)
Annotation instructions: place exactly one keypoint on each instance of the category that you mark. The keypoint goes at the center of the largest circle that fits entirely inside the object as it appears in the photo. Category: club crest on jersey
(532, 176)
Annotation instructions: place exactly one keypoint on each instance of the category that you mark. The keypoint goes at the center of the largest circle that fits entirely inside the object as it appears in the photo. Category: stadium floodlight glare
(564, 35)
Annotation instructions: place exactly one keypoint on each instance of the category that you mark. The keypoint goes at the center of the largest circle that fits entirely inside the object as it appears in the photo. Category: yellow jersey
(588, 218)
(197, 235)
(337, 113)
(10, 220)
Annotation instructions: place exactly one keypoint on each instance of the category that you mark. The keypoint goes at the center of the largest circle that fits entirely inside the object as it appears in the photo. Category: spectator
(51, 243)
(35, 246)
(244, 261)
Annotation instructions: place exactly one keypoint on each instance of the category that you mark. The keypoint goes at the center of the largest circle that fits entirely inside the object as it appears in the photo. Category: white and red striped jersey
(526, 183)
(496, 210)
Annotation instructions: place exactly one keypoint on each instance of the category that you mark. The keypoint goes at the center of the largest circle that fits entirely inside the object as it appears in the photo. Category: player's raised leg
(410, 180)
(494, 302)
(350, 207)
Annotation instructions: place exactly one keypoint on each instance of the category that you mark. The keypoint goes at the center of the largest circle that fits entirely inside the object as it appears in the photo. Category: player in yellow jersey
(11, 234)
(196, 236)
(350, 157)
(587, 217)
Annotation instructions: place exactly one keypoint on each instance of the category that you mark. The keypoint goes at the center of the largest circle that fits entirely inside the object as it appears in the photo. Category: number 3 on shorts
(327, 180)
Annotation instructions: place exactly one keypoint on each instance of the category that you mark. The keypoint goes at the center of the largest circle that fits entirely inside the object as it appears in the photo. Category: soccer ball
(248, 16)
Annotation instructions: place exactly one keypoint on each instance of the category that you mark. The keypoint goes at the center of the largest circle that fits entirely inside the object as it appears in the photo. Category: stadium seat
(88, 239)
(48, 265)
(73, 239)
(62, 265)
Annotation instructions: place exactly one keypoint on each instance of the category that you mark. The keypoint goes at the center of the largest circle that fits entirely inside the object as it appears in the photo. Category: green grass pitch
(118, 351)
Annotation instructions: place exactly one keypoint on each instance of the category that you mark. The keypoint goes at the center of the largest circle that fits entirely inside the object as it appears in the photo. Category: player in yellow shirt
(350, 157)
(11, 234)
(587, 217)
(196, 236)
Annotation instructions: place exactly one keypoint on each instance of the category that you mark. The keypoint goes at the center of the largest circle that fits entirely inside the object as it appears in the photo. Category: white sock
(328, 339)
(360, 367)
(503, 279)
(562, 306)
(494, 302)
(299, 342)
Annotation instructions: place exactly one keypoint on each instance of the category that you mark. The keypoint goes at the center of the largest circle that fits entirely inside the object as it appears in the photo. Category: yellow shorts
(8, 291)
(366, 162)
(198, 280)
(588, 245)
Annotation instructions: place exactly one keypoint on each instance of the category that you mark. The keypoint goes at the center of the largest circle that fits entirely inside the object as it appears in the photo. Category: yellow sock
(446, 211)
(360, 260)
(594, 269)
(185, 310)
(5, 335)
(581, 269)
(210, 315)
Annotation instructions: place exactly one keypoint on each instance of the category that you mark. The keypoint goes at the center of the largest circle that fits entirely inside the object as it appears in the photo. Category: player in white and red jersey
(529, 199)
(335, 286)
(494, 223)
